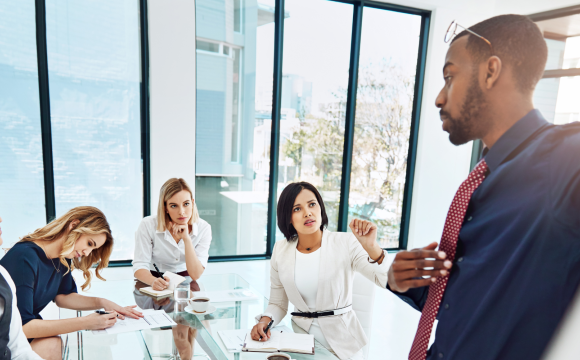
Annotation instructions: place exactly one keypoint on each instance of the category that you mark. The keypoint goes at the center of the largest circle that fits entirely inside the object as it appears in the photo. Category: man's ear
(73, 224)
(493, 68)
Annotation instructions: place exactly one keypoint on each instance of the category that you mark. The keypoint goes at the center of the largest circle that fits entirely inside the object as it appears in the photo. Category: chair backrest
(363, 301)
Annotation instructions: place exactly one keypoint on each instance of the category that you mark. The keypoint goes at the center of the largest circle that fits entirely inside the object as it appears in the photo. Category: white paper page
(227, 295)
(152, 319)
(174, 280)
(272, 343)
(302, 342)
(233, 339)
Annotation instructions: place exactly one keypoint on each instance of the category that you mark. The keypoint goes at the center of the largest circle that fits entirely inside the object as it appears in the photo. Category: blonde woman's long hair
(92, 221)
(170, 188)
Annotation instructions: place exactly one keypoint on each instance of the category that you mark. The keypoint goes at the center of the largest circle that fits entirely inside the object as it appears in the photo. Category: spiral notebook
(281, 341)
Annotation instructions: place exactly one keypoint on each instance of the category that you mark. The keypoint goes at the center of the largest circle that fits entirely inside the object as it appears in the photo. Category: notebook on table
(174, 280)
(281, 341)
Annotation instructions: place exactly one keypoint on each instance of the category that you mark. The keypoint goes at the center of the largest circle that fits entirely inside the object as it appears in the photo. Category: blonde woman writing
(175, 239)
(40, 265)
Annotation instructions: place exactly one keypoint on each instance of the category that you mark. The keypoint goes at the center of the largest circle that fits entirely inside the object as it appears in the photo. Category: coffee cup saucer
(210, 309)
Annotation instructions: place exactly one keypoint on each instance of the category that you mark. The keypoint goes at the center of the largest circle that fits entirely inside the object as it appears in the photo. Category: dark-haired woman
(314, 270)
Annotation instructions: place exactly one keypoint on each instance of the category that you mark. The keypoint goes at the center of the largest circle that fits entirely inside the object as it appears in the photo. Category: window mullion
(350, 116)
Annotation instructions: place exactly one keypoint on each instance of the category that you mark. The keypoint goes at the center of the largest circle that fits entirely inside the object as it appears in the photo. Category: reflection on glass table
(194, 337)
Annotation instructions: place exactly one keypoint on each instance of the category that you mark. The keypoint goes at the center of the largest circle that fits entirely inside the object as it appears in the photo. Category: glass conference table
(194, 337)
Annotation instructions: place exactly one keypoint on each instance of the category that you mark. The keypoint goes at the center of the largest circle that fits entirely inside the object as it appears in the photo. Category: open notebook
(282, 341)
(174, 280)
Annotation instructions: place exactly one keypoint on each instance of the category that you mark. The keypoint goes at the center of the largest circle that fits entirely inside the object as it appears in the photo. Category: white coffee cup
(199, 304)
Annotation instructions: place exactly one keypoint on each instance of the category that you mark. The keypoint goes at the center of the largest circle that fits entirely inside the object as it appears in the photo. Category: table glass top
(195, 336)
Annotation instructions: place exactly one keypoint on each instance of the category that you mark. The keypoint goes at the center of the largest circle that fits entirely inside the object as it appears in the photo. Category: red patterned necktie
(448, 244)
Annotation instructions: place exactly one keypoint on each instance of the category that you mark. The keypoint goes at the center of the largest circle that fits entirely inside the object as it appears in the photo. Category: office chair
(363, 301)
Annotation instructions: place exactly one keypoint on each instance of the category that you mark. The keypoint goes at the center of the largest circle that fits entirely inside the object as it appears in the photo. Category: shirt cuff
(258, 317)
(139, 266)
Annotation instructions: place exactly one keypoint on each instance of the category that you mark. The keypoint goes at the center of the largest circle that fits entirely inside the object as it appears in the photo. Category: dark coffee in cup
(279, 356)
(201, 300)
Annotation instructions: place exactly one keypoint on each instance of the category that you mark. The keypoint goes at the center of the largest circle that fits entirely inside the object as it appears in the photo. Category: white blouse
(17, 343)
(306, 279)
(159, 247)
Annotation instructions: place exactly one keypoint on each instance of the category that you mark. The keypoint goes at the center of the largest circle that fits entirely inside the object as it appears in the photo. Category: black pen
(267, 328)
(158, 271)
(103, 312)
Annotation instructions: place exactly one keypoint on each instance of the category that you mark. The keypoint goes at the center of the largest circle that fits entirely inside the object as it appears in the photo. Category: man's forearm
(75, 301)
(45, 328)
(415, 297)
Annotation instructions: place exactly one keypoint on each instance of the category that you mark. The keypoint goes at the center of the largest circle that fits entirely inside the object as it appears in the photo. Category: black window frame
(358, 9)
(359, 6)
(45, 119)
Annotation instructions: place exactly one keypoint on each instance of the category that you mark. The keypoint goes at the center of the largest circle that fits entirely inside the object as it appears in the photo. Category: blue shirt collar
(513, 138)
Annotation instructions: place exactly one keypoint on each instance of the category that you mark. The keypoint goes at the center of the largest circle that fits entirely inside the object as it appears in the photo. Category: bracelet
(379, 259)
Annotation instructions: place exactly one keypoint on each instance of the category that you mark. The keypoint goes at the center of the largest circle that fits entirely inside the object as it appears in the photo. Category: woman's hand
(258, 330)
(181, 231)
(366, 233)
(123, 311)
(96, 321)
(160, 283)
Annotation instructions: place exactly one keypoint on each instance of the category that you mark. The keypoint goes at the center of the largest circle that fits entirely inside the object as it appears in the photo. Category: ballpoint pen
(103, 312)
(267, 328)
(158, 271)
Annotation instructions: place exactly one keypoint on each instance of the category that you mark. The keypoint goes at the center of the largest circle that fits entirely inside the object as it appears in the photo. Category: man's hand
(409, 266)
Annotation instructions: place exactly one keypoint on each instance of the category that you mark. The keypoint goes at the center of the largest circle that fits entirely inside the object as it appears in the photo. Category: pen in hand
(158, 271)
(267, 328)
(103, 312)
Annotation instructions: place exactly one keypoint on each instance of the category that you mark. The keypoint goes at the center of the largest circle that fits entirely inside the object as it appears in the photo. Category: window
(384, 107)
(240, 110)
(233, 121)
(314, 84)
(22, 205)
(94, 63)
(556, 93)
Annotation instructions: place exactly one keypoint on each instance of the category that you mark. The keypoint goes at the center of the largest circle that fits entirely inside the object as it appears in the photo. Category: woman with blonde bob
(40, 265)
(176, 239)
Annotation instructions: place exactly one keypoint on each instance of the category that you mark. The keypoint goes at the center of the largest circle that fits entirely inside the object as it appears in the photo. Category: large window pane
(21, 171)
(386, 80)
(235, 54)
(94, 64)
(317, 37)
(557, 98)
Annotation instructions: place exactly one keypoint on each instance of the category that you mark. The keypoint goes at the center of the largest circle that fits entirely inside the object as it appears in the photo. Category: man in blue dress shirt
(517, 263)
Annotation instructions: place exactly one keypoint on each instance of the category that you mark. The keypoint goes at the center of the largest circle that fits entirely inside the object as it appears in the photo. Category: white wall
(441, 167)
(172, 92)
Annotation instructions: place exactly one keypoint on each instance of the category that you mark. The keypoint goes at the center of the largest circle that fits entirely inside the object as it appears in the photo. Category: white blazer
(17, 343)
(341, 255)
(159, 247)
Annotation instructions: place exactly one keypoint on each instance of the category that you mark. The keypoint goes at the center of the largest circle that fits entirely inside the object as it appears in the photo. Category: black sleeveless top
(6, 296)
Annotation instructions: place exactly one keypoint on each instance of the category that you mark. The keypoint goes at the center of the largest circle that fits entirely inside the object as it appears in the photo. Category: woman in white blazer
(175, 240)
(314, 270)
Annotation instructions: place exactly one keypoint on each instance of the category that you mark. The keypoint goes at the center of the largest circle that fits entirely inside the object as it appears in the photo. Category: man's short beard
(466, 127)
